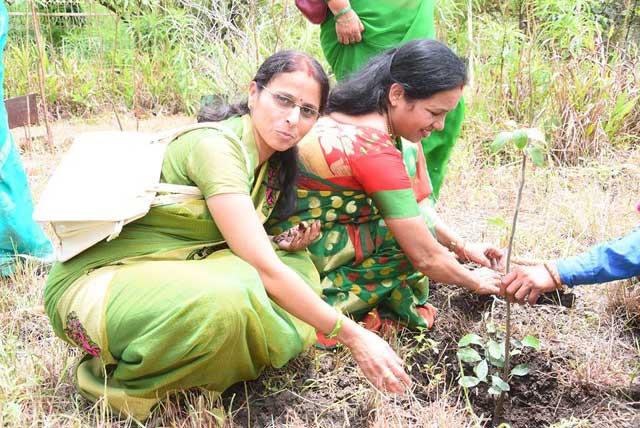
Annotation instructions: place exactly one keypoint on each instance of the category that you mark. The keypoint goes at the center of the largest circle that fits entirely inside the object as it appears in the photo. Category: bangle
(554, 276)
(455, 247)
(343, 12)
(336, 328)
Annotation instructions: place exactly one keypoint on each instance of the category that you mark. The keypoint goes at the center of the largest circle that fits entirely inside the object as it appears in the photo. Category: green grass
(563, 66)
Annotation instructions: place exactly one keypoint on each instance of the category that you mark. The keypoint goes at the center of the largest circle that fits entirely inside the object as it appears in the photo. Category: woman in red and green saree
(194, 294)
(357, 30)
(377, 248)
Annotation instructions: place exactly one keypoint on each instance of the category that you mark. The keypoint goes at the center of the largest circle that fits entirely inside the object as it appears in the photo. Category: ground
(585, 374)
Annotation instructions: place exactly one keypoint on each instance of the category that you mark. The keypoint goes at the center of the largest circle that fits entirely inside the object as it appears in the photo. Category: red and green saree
(352, 178)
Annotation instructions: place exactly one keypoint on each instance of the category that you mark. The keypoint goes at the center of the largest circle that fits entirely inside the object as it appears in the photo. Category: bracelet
(554, 277)
(343, 12)
(455, 246)
(336, 328)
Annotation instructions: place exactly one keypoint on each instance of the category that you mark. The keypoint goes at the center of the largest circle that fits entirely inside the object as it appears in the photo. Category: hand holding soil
(298, 237)
(378, 362)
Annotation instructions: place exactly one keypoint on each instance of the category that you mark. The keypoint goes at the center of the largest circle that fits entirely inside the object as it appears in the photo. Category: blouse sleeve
(218, 165)
(610, 261)
(378, 166)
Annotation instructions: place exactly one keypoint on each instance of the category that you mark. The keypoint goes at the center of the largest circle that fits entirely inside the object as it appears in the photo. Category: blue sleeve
(610, 261)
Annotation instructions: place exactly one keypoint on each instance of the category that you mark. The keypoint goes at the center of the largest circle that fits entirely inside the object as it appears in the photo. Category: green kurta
(166, 306)
(388, 24)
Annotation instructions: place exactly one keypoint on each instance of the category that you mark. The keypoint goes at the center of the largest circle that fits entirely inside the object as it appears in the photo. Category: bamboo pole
(41, 56)
(27, 129)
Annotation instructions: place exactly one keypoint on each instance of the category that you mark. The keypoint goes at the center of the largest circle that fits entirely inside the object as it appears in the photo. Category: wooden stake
(43, 97)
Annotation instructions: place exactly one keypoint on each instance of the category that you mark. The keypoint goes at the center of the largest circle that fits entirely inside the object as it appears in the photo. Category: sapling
(529, 142)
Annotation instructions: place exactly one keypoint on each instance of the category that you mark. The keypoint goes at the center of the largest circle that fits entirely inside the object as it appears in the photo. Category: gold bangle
(337, 328)
(455, 247)
(554, 276)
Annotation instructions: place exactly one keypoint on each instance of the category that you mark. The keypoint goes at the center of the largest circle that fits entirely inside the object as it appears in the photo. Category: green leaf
(515, 343)
(496, 362)
(531, 342)
(468, 355)
(469, 339)
(536, 155)
(500, 141)
(499, 384)
(515, 352)
(468, 381)
(496, 350)
(494, 391)
(481, 370)
(491, 327)
(498, 222)
(520, 138)
(520, 370)
(535, 135)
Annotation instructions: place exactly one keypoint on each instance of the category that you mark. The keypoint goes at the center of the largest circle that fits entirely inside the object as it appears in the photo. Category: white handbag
(107, 180)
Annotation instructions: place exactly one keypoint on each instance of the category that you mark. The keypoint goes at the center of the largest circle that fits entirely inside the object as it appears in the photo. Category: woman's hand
(379, 363)
(527, 283)
(487, 281)
(486, 255)
(298, 237)
(349, 28)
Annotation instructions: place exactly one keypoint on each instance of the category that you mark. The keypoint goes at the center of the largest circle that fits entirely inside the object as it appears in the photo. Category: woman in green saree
(349, 39)
(370, 190)
(194, 294)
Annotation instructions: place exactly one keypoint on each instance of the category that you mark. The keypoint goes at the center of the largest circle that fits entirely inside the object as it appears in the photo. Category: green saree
(166, 306)
(388, 24)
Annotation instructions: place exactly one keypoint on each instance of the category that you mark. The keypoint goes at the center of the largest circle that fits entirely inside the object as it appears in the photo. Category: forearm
(442, 266)
(610, 261)
(427, 255)
(290, 292)
(448, 238)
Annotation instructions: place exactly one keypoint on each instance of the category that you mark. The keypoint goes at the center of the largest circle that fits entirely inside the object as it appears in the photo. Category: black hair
(422, 67)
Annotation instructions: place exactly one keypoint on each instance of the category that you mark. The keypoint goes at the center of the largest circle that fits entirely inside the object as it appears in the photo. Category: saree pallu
(389, 24)
(166, 307)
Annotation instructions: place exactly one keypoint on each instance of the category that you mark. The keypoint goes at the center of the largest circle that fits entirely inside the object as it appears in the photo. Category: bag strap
(167, 136)
(175, 193)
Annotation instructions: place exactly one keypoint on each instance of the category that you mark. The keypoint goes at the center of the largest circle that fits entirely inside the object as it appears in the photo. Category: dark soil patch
(314, 387)
(539, 399)
(325, 388)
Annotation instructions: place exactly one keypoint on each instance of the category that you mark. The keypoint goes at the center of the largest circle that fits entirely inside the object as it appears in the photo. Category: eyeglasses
(287, 103)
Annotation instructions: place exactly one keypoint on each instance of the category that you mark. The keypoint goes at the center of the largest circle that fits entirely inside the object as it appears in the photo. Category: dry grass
(587, 373)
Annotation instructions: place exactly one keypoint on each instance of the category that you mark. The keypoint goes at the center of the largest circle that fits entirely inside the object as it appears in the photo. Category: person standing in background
(357, 30)
(19, 234)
